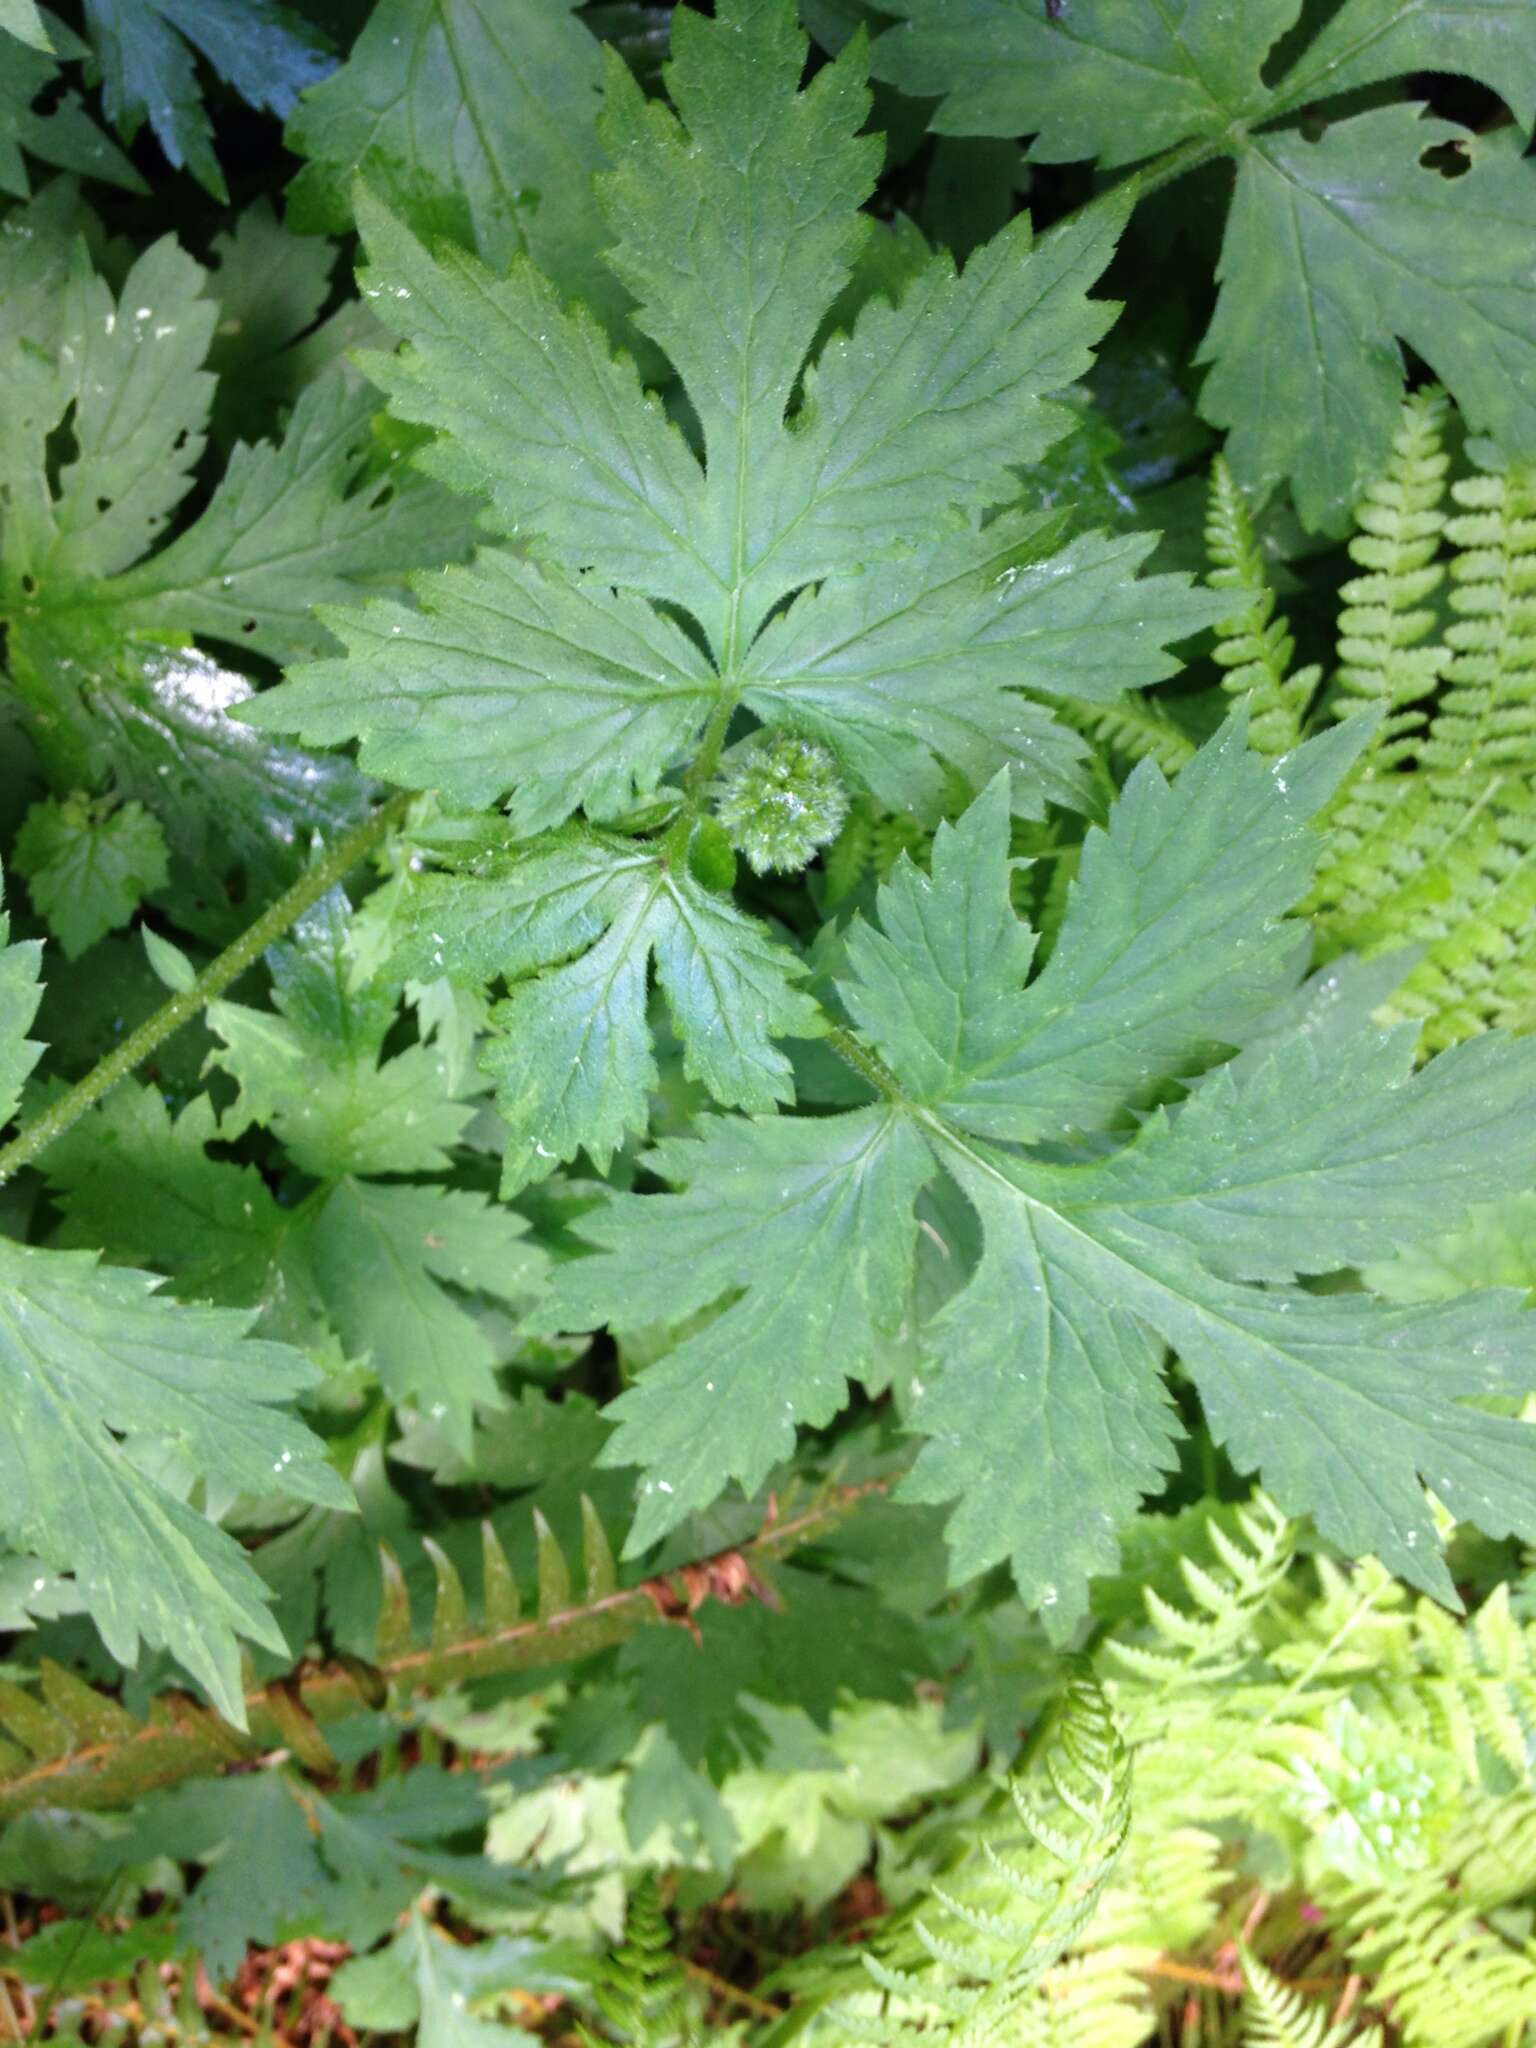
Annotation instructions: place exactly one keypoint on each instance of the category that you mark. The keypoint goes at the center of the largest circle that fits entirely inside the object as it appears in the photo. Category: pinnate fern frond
(1254, 646)
(972, 1962)
(1451, 1981)
(1478, 762)
(73, 1746)
(1470, 1691)
(642, 1993)
(1374, 833)
(1387, 616)
(1134, 728)
(1275, 2016)
(1443, 854)
(1187, 1646)
(1093, 2000)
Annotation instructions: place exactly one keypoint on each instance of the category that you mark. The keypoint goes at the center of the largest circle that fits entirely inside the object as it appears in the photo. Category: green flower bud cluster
(779, 800)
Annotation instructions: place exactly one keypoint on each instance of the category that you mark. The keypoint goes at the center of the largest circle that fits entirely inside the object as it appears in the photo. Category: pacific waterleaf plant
(1043, 1405)
(1348, 234)
(820, 562)
(827, 566)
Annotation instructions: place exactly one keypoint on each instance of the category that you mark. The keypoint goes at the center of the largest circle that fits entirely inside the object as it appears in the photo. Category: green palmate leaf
(1042, 1406)
(380, 1256)
(1172, 942)
(1369, 40)
(557, 671)
(133, 379)
(1117, 84)
(361, 1266)
(97, 1368)
(1105, 81)
(1336, 249)
(573, 922)
(20, 994)
(314, 1071)
(471, 126)
(127, 372)
(284, 1860)
(144, 51)
(606, 691)
(1378, 244)
(39, 120)
(905, 667)
(89, 865)
(97, 626)
(825, 1207)
(231, 577)
(142, 1187)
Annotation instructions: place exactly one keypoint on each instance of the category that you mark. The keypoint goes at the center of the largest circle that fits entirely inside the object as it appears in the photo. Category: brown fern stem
(184, 1739)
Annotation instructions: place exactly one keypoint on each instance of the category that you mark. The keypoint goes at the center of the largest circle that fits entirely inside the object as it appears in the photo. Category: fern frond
(1275, 2016)
(1134, 728)
(1445, 856)
(1197, 1644)
(1167, 1892)
(975, 1954)
(1093, 2001)
(642, 1992)
(1254, 646)
(868, 846)
(79, 1748)
(1375, 827)
(1386, 619)
(1479, 763)
(1448, 1979)
(1477, 1698)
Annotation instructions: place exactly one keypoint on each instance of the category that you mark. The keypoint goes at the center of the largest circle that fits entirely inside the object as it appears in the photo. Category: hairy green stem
(1177, 162)
(864, 1062)
(212, 982)
(1162, 170)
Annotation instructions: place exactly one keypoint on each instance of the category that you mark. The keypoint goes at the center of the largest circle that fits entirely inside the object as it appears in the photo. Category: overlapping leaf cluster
(555, 1171)
(789, 567)
(1387, 226)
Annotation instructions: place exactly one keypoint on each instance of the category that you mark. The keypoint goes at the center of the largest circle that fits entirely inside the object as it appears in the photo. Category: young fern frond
(1478, 761)
(974, 1956)
(1254, 647)
(642, 1993)
(1275, 2016)
(1387, 614)
(1192, 1647)
(1443, 855)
